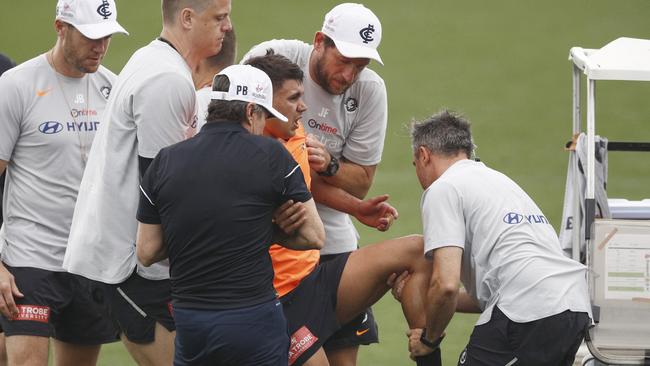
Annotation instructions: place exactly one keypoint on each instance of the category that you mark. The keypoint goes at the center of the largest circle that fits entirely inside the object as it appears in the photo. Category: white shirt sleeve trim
(147, 196)
(286, 176)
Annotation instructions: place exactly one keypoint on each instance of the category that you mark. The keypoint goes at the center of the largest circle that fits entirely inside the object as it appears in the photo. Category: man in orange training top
(318, 298)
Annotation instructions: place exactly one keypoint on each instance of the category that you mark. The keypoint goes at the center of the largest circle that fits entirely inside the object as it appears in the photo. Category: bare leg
(67, 354)
(27, 350)
(318, 359)
(158, 353)
(364, 278)
(346, 356)
(3, 350)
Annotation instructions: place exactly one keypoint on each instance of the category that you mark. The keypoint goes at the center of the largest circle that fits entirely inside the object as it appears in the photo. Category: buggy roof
(622, 59)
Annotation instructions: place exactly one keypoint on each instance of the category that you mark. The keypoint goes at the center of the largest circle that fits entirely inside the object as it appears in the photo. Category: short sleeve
(292, 181)
(365, 142)
(443, 220)
(164, 110)
(147, 209)
(10, 116)
(290, 49)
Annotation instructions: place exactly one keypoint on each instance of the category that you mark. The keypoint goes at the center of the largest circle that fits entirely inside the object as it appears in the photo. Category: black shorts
(57, 305)
(136, 305)
(550, 341)
(310, 309)
(362, 330)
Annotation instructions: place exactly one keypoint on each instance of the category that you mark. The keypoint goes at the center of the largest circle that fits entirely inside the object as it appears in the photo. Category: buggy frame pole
(575, 232)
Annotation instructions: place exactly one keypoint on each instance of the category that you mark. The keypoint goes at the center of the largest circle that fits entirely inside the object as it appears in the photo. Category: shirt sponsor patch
(34, 313)
(301, 340)
(323, 127)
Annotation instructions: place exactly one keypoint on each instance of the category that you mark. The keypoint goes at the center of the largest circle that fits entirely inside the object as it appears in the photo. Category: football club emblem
(106, 91)
(103, 9)
(351, 104)
(366, 33)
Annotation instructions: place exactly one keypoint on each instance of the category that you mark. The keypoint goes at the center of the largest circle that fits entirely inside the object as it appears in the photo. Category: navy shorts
(136, 305)
(550, 341)
(57, 305)
(250, 336)
(310, 309)
(362, 330)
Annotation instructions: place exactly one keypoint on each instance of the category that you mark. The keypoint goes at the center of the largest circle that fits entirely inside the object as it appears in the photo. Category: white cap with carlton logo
(355, 30)
(95, 19)
(248, 84)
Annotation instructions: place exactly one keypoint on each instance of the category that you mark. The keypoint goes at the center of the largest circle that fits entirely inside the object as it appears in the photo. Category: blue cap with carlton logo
(355, 30)
(95, 19)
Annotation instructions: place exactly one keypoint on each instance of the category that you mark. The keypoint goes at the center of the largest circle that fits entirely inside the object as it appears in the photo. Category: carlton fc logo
(103, 9)
(351, 104)
(50, 127)
(105, 90)
(366, 33)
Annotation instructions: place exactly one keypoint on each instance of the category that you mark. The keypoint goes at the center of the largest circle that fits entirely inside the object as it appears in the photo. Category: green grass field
(501, 63)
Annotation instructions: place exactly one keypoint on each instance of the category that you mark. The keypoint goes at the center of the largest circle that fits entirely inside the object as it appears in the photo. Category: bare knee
(415, 245)
(411, 249)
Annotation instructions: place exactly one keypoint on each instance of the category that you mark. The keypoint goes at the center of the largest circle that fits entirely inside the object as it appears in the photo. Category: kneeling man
(482, 229)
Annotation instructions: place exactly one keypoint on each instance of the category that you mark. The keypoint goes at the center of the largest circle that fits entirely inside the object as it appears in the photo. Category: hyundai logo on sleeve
(513, 218)
(50, 127)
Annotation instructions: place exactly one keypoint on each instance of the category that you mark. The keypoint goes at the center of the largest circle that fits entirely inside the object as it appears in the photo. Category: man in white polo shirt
(346, 118)
(153, 105)
(50, 109)
(482, 229)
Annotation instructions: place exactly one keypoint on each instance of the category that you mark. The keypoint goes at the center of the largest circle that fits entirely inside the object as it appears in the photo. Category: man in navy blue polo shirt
(207, 203)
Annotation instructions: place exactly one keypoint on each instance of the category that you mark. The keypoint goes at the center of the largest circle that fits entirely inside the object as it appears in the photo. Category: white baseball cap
(248, 84)
(95, 19)
(355, 30)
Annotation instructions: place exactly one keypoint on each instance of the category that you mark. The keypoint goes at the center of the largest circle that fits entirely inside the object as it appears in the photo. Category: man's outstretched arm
(374, 212)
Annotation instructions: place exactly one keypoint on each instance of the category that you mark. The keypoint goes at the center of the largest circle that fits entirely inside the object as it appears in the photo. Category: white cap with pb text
(95, 19)
(248, 84)
(355, 30)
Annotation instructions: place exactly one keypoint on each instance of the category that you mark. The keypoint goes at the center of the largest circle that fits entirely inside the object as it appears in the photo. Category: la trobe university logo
(104, 10)
(366, 33)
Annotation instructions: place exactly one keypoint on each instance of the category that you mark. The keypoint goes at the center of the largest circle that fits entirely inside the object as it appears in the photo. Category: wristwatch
(332, 167)
(431, 344)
